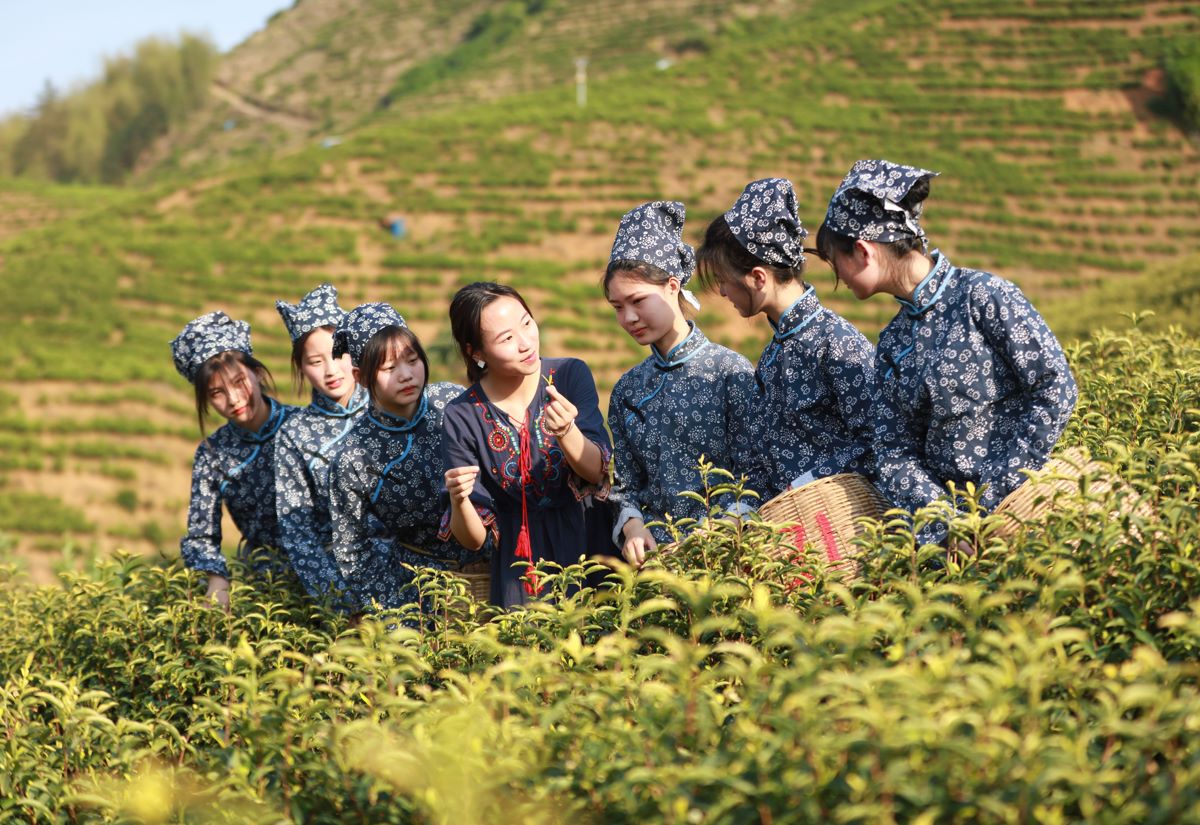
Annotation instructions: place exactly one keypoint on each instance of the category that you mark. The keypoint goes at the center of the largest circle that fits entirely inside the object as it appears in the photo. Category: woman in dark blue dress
(234, 466)
(973, 385)
(309, 440)
(817, 373)
(524, 445)
(386, 478)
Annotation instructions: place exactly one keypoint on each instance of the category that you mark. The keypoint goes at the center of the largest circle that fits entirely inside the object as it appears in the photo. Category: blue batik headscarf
(359, 325)
(653, 234)
(318, 308)
(208, 335)
(766, 221)
(867, 206)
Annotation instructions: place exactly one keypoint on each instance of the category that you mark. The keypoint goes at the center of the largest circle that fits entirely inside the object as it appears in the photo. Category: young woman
(235, 465)
(690, 398)
(973, 386)
(309, 439)
(524, 446)
(817, 374)
(387, 477)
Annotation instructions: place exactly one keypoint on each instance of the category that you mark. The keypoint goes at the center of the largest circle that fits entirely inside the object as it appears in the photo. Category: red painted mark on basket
(798, 539)
(831, 547)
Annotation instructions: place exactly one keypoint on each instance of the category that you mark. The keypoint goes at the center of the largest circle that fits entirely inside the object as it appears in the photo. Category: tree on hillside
(1182, 67)
(98, 132)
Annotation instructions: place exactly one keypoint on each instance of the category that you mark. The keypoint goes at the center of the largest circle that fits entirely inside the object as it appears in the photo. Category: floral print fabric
(766, 221)
(206, 336)
(236, 467)
(360, 325)
(866, 204)
(307, 443)
(318, 308)
(973, 387)
(817, 377)
(700, 399)
(385, 492)
(653, 233)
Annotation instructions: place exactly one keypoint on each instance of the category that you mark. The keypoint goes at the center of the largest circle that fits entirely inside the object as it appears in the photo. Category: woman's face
(509, 338)
(399, 380)
(741, 293)
(327, 374)
(236, 396)
(858, 269)
(646, 311)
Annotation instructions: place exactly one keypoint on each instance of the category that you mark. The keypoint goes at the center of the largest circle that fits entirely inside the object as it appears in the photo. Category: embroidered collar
(681, 353)
(325, 405)
(796, 317)
(267, 431)
(396, 424)
(931, 287)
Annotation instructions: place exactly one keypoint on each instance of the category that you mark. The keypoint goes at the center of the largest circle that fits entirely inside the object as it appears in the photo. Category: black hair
(830, 242)
(383, 345)
(647, 272)
(225, 364)
(722, 256)
(298, 355)
(466, 311)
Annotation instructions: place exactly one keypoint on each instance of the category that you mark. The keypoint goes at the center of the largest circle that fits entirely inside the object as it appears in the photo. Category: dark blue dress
(700, 399)
(479, 433)
(973, 386)
(303, 452)
(385, 489)
(237, 467)
(817, 377)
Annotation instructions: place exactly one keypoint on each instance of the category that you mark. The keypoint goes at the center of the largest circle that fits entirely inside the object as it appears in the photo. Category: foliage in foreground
(1048, 678)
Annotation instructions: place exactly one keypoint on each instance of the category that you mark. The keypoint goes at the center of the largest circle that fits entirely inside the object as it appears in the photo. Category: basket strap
(828, 537)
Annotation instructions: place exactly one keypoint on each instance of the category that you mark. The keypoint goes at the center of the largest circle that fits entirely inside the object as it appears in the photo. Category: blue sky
(67, 40)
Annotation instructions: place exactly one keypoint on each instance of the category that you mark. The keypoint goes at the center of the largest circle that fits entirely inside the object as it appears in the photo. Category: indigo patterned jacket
(237, 467)
(385, 493)
(668, 411)
(306, 446)
(973, 387)
(817, 378)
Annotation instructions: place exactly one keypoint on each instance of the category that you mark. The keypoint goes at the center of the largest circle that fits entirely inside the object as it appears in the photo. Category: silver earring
(479, 362)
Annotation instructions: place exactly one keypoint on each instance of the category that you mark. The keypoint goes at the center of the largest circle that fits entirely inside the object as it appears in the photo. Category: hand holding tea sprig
(582, 454)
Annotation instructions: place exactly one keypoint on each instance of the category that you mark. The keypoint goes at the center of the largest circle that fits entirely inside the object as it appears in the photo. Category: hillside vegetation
(1049, 678)
(1055, 174)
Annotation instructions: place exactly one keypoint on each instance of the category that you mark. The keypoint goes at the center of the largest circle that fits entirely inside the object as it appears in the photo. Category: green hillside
(1055, 173)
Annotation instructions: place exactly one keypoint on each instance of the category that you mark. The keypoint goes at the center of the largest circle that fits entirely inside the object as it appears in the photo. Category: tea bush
(1048, 677)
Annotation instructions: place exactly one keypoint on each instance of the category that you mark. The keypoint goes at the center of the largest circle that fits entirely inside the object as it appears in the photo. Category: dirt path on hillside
(250, 108)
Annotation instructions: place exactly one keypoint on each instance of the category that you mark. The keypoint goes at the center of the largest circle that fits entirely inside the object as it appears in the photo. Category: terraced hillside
(1055, 173)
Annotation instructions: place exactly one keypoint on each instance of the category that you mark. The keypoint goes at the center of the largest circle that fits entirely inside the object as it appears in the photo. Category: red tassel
(524, 545)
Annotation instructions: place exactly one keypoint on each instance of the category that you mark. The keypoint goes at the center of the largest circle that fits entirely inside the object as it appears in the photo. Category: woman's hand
(460, 481)
(560, 413)
(638, 542)
(218, 590)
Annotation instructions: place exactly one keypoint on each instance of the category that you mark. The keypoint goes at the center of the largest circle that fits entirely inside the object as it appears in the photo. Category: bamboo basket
(1037, 496)
(824, 514)
(478, 576)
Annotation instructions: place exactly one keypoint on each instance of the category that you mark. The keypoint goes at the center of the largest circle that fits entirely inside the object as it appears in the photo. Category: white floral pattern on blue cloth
(318, 308)
(765, 219)
(817, 377)
(385, 493)
(973, 386)
(667, 412)
(211, 334)
(653, 233)
(304, 451)
(866, 204)
(237, 467)
(360, 325)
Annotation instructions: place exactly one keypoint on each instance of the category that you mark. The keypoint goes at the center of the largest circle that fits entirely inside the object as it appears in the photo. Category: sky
(67, 40)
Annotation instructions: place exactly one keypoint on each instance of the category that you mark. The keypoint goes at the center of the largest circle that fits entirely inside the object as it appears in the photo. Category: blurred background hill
(186, 180)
